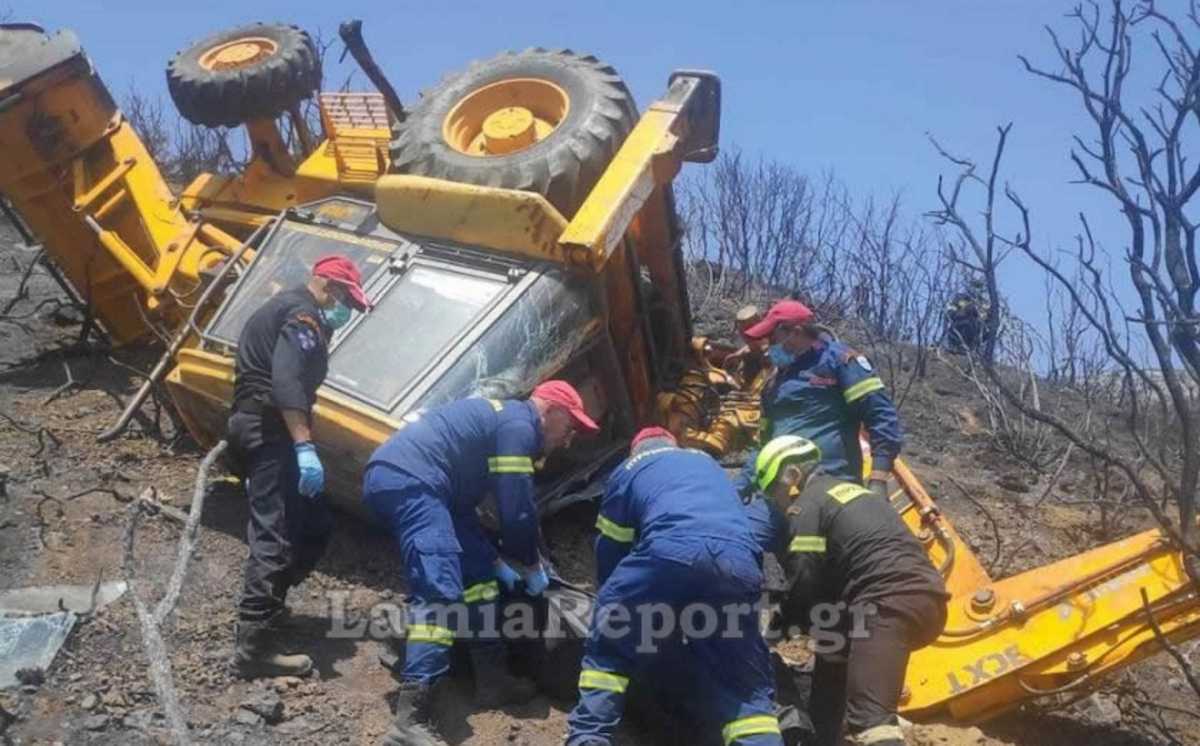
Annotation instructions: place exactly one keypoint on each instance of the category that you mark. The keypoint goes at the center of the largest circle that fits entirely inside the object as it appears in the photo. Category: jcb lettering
(985, 669)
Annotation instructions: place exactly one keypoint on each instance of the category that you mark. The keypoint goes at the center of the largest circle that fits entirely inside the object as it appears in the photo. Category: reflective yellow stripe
(496, 404)
(430, 633)
(592, 679)
(751, 726)
(510, 465)
(486, 591)
(862, 388)
(844, 493)
(614, 531)
(807, 544)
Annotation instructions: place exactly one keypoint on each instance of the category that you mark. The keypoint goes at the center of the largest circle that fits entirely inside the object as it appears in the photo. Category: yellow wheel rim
(238, 53)
(505, 117)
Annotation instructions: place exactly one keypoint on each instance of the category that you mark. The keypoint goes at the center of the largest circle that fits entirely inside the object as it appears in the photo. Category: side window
(408, 330)
(286, 261)
(536, 337)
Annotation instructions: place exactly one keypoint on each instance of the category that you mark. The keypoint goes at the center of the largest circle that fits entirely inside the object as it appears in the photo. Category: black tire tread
(563, 167)
(232, 97)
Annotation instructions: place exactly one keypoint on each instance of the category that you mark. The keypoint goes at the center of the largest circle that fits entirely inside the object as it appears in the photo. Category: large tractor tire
(540, 121)
(250, 72)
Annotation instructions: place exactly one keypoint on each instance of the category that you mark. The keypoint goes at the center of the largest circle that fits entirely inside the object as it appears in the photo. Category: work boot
(254, 659)
(413, 725)
(494, 685)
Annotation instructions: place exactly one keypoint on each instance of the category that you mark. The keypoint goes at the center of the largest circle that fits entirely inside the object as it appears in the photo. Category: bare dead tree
(901, 279)
(1139, 158)
(151, 120)
(980, 254)
(761, 230)
(766, 230)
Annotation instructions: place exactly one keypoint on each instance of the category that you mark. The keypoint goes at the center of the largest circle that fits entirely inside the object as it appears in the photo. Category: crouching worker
(282, 358)
(674, 541)
(424, 484)
(850, 553)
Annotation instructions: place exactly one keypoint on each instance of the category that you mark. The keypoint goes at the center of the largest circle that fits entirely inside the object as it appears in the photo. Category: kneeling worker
(424, 483)
(849, 545)
(674, 536)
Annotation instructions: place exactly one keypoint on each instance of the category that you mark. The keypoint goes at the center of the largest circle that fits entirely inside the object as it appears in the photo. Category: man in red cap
(424, 484)
(282, 358)
(826, 392)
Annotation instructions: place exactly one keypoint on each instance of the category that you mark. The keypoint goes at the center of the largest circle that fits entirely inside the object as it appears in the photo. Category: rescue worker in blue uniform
(282, 358)
(824, 391)
(849, 550)
(425, 483)
(673, 535)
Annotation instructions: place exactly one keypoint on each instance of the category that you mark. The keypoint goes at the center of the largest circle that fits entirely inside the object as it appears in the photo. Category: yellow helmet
(779, 450)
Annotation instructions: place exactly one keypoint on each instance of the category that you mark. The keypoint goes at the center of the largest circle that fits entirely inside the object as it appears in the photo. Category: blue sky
(847, 85)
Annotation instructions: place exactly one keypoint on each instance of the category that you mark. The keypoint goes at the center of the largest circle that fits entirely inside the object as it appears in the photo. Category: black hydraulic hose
(356, 46)
(181, 336)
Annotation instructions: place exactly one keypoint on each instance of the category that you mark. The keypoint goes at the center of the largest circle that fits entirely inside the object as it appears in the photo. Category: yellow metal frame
(81, 178)
(520, 223)
(346, 432)
(671, 131)
(1052, 629)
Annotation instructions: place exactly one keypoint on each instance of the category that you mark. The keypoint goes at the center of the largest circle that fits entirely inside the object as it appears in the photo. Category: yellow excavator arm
(1054, 630)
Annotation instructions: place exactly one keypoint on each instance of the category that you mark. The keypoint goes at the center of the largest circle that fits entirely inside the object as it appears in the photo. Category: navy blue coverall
(675, 543)
(424, 483)
(826, 395)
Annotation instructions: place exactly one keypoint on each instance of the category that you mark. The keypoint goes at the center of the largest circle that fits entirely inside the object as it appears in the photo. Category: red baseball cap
(648, 433)
(341, 270)
(564, 395)
(785, 311)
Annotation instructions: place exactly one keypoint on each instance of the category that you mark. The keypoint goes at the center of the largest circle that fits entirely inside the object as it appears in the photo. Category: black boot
(413, 725)
(494, 685)
(254, 658)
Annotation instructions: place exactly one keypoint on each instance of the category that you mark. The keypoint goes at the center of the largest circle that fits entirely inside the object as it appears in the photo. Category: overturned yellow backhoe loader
(517, 225)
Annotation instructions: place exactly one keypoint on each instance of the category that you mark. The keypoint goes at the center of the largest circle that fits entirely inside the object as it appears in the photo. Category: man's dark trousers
(287, 533)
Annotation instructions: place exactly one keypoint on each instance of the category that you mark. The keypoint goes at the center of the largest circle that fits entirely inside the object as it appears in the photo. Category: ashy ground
(65, 501)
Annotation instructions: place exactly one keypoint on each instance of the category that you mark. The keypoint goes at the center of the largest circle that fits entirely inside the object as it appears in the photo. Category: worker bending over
(824, 391)
(282, 358)
(424, 483)
(674, 541)
(851, 552)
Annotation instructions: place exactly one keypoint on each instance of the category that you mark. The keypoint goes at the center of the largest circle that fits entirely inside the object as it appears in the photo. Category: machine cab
(449, 322)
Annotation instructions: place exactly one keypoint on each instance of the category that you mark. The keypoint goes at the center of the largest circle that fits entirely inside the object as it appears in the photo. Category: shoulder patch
(864, 363)
(307, 338)
(308, 320)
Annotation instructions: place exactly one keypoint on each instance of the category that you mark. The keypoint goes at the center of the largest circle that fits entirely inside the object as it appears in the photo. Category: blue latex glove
(536, 581)
(507, 576)
(312, 474)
